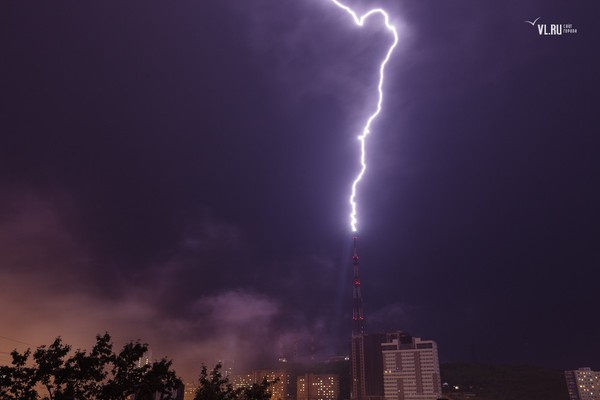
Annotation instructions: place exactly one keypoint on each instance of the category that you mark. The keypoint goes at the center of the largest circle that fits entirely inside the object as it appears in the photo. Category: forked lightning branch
(360, 20)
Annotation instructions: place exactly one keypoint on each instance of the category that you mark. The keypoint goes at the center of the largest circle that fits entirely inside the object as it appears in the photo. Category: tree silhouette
(99, 375)
(214, 386)
(18, 382)
(257, 391)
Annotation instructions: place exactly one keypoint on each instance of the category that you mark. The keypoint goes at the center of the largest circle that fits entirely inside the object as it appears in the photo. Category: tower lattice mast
(358, 319)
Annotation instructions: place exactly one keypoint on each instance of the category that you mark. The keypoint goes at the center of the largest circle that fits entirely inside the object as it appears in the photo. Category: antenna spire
(358, 319)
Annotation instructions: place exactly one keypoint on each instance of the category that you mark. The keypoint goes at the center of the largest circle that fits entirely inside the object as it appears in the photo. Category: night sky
(178, 172)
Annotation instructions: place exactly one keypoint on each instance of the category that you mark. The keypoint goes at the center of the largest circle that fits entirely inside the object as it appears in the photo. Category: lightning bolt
(360, 20)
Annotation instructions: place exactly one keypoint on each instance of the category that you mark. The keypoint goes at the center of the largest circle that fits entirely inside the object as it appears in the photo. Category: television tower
(366, 358)
(358, 319)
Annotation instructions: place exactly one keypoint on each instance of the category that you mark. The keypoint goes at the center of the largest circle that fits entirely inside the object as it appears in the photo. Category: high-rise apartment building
(367, 366)
(280, 389)
(189, 391)
(145, 360)
(318, 387)
(583, 384)
(411, 369)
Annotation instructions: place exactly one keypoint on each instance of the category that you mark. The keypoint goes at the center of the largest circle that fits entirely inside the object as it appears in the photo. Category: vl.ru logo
(552, 29)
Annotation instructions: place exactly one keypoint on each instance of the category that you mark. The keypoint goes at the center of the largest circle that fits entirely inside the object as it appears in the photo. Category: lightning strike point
(360, 20)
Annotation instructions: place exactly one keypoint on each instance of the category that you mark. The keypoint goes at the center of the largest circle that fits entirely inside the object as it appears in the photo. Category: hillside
(502, 382)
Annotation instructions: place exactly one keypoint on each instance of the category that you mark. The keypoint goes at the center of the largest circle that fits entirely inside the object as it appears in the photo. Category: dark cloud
(179, 173)
(210, 301)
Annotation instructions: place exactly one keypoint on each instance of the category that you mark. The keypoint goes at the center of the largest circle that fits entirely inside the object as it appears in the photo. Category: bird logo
(534, 21)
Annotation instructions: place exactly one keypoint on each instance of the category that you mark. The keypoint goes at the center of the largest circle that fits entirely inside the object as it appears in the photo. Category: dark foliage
(98, 375)
(214, 386)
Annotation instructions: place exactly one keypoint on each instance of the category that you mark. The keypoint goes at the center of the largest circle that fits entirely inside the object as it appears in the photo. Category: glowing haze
(367, 127)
